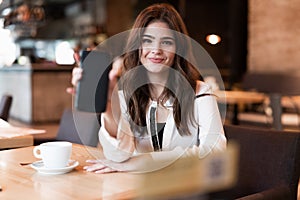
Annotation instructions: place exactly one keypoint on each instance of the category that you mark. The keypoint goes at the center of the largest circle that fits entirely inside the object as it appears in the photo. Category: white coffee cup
(54, 154)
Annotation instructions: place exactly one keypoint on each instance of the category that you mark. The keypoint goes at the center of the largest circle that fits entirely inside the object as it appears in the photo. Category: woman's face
(158, 47)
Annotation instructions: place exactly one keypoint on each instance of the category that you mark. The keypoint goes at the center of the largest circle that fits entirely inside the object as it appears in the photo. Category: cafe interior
(251, 51)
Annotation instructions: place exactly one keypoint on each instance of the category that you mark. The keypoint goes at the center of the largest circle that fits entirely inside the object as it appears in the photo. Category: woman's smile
(156, 60)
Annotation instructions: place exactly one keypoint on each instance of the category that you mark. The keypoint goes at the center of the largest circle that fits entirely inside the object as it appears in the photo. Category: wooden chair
(5, 106)
(276, 83)
(79, 127)
(269, 164)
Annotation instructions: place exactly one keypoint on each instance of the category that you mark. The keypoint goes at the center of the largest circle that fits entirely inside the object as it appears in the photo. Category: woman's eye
(167, 42)
(146, 41)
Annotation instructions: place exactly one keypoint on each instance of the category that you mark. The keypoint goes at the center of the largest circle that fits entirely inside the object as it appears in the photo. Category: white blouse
(204, 139)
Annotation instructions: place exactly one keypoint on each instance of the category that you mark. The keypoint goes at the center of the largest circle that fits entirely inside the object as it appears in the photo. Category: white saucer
(39, 166)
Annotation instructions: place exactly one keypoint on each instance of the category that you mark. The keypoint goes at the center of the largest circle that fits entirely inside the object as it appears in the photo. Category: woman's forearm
(146, 162)
(109, 122)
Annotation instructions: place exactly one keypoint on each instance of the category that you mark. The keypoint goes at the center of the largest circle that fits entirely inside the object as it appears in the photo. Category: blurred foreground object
(191, 175)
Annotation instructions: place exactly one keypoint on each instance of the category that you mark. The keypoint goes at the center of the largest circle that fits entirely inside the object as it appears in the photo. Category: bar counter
(39, 91)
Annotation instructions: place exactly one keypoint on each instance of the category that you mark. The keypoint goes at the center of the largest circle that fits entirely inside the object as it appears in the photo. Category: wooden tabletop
(23, 182)
(16, 142)
(15, 137)
(237, 97)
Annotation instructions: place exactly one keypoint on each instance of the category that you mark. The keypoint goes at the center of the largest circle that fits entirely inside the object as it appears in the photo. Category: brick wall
(274, 36)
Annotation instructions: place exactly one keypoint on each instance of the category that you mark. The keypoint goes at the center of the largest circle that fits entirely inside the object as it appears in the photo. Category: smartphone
(92, 89)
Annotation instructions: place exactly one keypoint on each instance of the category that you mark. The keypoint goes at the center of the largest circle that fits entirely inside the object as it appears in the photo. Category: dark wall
(206, 17)
(238, 37)
(141, 4)
(227, 18)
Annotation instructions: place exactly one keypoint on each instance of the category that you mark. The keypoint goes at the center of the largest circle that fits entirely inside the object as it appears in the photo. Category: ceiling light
(213, 39)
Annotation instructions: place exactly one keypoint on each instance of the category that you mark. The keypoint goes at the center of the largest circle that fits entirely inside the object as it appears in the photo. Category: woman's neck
(158, 82)
(156, 91)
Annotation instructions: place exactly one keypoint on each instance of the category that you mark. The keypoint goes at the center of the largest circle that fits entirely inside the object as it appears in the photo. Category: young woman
(165, 112)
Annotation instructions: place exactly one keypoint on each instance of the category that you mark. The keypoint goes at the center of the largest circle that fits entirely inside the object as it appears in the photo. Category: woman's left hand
(100, 166)
(136, 164)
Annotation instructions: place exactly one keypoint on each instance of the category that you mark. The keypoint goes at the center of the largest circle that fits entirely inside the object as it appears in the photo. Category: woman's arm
(111, 116)
(119, 148)
(140, 163)
(211, 132)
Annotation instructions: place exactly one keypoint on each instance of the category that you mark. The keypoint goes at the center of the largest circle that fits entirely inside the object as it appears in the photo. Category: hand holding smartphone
(92, 89)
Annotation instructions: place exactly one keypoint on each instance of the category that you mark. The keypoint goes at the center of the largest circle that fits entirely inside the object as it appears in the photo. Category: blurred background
(240, 35)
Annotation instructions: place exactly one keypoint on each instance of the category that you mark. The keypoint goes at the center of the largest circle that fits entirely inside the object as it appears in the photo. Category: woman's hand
(76, 76)
(116, 70)
(136, 164)
(100, 166)
(114, 74)
(111, 116)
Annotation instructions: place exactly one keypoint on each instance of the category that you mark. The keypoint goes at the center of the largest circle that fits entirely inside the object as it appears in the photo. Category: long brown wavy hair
(137, 99)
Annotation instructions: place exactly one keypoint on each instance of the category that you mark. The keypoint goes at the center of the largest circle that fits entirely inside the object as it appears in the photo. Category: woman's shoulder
(203, 88)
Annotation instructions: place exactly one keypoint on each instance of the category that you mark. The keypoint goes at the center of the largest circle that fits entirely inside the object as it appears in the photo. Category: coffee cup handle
(37, 152)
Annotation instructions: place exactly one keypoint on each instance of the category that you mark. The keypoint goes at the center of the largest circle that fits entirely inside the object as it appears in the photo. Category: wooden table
(275, 101)
(23, 182)
(15, 137)
(237, 98)
(240, 97)
(16, 142)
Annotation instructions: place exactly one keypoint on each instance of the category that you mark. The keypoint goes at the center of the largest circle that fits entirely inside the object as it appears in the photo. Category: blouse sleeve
(120, 148)
(211, 132)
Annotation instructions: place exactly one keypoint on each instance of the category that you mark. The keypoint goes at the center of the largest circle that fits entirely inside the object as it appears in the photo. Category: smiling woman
(161, 111)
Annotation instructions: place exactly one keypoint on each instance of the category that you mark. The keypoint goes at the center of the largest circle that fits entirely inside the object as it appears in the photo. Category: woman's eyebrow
(149, 36)
(164, 38)
(168, 38)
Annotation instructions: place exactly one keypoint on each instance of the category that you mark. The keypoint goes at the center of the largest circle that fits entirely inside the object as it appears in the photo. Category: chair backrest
(5, 105)
(268, 159)
(79, 127)
(285, 84)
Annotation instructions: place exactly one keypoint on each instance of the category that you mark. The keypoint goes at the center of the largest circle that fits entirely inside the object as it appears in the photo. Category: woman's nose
(156, 48)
